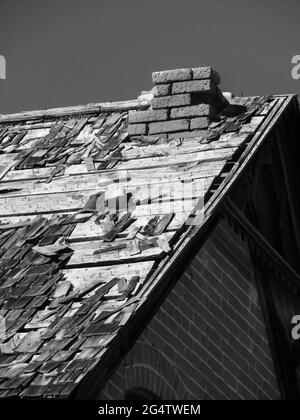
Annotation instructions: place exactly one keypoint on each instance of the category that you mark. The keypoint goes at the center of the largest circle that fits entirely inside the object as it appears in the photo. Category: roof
(90, 219)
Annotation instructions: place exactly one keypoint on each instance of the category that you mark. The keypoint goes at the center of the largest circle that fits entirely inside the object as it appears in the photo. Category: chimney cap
(178, 75)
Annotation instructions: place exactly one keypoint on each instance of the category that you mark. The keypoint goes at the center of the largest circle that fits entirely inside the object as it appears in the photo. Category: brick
(270, 390)
(163, 90)
(206, 73)
(214, 351)
(171, 75)
(200, 122)
(244, 392)
(245, 379)
(147, 116)
(137, 129)
(168, 126)
(229, 379)
(215, 392)
(171, 101)
(203, 86)
(192, 111)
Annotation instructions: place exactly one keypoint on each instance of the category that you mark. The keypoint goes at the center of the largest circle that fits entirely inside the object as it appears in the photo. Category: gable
(91, 221)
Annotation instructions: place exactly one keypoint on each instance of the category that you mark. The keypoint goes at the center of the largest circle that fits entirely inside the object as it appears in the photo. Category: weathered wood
(29, 126)
(35, 173)
(90, 230)
(84, 277)
(230, 140)
(94, 108)
(36, 133)
(7, 158)
(95, 182)
(165, 208)
(72, 201)
(205, 168)
(84, 254)
(222, 154)
(5, 169)
(43, 203)
(97, 265)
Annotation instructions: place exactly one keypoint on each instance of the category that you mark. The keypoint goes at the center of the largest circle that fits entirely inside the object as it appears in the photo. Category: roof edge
(142, 102)
(78, 109)
(171, 269)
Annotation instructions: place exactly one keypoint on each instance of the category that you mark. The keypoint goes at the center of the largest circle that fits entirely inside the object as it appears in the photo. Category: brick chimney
(184, 102)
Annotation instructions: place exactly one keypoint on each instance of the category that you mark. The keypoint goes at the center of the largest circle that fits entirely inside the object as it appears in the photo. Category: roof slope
(88, 218)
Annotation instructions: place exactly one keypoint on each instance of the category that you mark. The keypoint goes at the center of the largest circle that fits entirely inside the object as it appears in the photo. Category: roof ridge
(90, 108)
(142, 102)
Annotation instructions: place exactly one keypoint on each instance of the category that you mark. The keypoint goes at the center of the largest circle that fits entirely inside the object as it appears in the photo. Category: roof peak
(91, 108)
(181, 83)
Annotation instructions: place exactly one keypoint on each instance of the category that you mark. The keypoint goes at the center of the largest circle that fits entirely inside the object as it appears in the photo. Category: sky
(71, 52)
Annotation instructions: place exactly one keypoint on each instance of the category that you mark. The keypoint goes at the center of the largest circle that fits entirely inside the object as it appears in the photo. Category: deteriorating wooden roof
(87, 218)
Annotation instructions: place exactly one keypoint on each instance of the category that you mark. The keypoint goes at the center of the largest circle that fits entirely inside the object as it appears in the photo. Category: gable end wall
(208, 339)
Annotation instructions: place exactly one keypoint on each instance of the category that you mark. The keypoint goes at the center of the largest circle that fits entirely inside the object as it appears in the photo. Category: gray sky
(70, 52)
